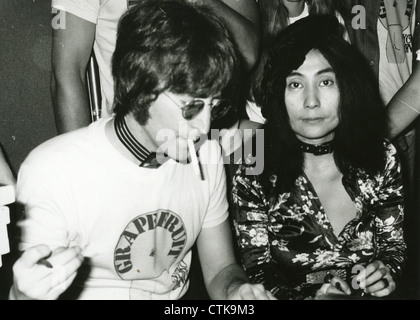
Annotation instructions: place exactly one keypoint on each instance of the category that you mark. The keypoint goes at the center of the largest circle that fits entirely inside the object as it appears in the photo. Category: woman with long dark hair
(275, 16)
(328, 206)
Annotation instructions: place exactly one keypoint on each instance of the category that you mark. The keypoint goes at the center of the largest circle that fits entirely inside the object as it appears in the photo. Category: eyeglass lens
(194, 107)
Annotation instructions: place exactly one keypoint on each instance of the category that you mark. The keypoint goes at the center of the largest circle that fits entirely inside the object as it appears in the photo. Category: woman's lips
(313, 119)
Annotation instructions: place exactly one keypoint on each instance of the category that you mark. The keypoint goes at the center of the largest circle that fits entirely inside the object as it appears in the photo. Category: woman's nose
(311, 98)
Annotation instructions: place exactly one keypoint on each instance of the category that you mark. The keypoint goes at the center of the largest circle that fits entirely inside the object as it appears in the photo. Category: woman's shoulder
(390, 164)
(387, 160)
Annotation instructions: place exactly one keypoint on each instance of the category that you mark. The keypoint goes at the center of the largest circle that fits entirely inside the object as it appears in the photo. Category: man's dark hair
(359, 137)
(170, 45)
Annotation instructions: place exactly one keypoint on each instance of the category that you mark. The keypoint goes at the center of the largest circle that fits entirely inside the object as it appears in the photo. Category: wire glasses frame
(194, 107)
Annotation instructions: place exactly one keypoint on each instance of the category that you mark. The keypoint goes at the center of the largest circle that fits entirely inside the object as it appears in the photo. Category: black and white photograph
(226, 152)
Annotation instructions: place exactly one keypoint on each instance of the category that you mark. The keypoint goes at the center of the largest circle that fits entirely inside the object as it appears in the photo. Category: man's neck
(294, 7)
(140, 134)
(136, 130)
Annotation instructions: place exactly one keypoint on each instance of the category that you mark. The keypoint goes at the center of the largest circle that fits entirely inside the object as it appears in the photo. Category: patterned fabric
(284, 238)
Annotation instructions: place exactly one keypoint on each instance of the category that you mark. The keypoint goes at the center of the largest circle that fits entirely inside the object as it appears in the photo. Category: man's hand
(249, 291)
(48, 280)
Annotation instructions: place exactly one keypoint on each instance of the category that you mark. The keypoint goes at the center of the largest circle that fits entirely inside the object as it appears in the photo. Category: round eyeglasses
(192, 108)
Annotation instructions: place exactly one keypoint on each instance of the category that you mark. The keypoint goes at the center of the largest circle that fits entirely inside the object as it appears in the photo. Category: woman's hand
(333, 286)
(376, 279)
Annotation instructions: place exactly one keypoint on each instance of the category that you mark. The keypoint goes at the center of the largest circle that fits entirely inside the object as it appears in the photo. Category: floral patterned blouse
(285, 241)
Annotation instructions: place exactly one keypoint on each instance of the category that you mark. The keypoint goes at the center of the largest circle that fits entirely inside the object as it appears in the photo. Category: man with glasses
(91, 24)
(112, 210)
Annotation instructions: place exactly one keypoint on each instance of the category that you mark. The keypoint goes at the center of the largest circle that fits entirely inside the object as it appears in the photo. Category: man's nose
(202, 121)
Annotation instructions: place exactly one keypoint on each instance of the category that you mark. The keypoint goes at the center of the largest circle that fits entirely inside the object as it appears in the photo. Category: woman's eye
(294, 85)
(326, 83)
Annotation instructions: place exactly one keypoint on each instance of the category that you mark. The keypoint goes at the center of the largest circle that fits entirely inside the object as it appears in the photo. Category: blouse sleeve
(390, 215)
(251, 223)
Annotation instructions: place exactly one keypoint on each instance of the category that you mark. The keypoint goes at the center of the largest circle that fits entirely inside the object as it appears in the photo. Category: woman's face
(312, 100)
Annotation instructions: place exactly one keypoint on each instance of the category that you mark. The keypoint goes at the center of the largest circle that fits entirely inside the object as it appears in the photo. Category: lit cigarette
(194, 159)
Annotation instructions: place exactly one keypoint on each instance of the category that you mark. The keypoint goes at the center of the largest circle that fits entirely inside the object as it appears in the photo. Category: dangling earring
(273, 180)
(272, 197)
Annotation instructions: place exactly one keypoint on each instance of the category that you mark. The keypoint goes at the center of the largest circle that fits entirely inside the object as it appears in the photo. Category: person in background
(113, 209)
(93, 24)
(387, 33)
(386, 40)
(324, 220)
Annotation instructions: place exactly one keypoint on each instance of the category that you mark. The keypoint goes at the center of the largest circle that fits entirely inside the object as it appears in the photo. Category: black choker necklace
(318, 149)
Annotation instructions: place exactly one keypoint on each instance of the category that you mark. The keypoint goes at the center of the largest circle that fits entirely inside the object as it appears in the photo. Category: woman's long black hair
(274, 18)
(359, 137)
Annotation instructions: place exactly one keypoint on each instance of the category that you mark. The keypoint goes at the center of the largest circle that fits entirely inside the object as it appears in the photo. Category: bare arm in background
(404, 107)
(242, 19)
(71, 50)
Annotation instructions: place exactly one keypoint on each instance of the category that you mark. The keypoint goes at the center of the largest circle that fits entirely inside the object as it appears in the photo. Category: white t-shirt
(135, 225)
(304, 14)
(106, 15)
(395, 30)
